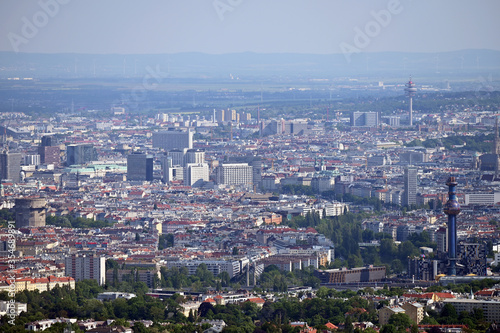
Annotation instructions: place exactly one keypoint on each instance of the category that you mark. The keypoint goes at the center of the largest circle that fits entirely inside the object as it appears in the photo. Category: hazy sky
(265, 26)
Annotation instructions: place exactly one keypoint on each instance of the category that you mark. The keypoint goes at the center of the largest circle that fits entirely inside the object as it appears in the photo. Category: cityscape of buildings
(224, 185)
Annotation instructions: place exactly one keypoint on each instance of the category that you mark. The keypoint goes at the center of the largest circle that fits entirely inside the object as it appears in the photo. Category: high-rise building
(491, 162)
(219, 116)
(442, 241)
(255, 162)
(196, 174)
(394, 121)
(410, 186)
(234, 174)
(32, 159)
(472, 257)
(166, 165)
(10, 166)
(80, 154)
(182, 157)
(452, 209)
(230, 115)
(50, 155)
(371, 119)
(170, 171)
(413, 157)
(196, 156)
(173, 139)
(49, 152)
(47, 141)
(410, 91)
(422, 269)
(140, 167)
(30, 212)
(86, 266)
(367, 119)
(177, 156)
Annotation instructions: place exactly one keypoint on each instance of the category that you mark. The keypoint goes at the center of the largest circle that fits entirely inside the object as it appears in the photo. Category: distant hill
(248, 65)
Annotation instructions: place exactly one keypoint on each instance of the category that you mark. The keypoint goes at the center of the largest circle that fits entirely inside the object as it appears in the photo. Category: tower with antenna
(410, 91)
(452, 209)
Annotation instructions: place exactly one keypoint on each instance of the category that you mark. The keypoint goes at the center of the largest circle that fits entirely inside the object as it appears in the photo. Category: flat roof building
(173, 139)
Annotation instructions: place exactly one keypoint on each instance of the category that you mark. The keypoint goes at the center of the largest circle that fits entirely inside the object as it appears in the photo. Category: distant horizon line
(243, 52)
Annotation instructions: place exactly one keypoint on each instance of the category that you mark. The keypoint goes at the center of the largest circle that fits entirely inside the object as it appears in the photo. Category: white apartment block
(86, 267)
(232, 267)
(234, 174)
(335, 208)
(491, 309)
(196, 174)
(482, 198)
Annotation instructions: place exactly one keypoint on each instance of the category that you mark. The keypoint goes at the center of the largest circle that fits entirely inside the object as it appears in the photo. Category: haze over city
(249, 166)
(222, 26)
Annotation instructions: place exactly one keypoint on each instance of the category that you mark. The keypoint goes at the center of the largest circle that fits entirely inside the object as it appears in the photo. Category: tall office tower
(230, 115)
(178, 156)
(47, 141)
(80, 154)
(410, 92)
(30, 212)
(234, 174)
(394, 121)
(452, 209)
(255, 162)
(50, 155)
(10, 166)
(357, 118)
(173, 139)
(472, 257)
(371, 119)
(219, 116)
(49, 152)
(196, 174)
(413, 157)
(244, 117)
(368, 119)
(140, 167)
(86, 266)
(163, 117)
(32, 159)
(442, 241)
(196, 156)
(491, 161)
(170, 172)
(410, 186)
(166, 165)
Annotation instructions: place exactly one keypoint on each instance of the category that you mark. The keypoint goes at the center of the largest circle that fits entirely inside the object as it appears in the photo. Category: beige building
(415, 311)
(43, 284)
(386, 312)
